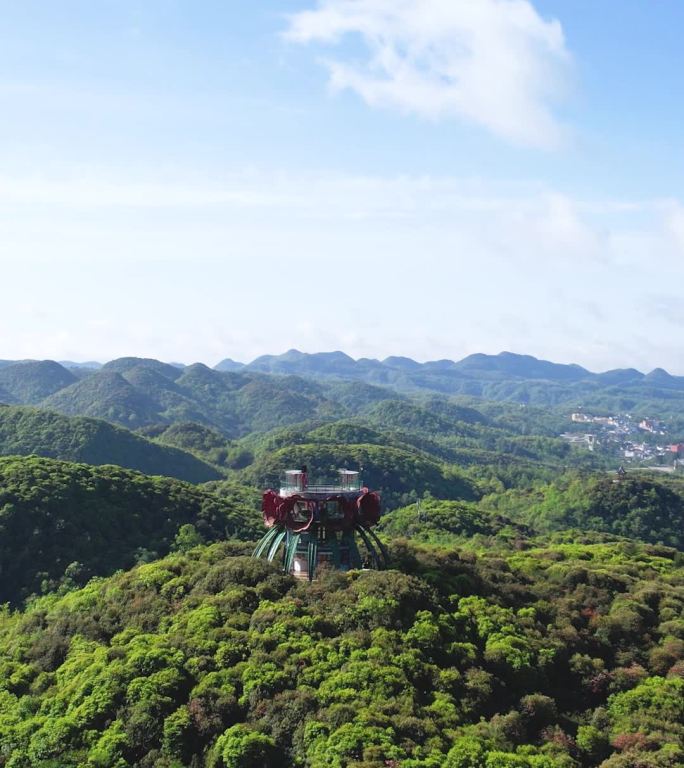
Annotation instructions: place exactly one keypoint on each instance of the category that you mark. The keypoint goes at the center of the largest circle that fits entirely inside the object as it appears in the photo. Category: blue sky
(193, 181)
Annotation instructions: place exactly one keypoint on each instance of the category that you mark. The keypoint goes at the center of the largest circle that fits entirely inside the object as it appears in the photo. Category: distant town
(632, 440)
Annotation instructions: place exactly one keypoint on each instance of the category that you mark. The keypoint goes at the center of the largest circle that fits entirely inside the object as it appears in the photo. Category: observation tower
(311, 524)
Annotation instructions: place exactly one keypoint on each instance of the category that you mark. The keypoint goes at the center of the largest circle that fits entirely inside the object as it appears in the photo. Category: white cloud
(496, 63)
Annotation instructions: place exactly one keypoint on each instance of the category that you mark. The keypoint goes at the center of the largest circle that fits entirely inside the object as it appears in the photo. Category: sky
(195, 180)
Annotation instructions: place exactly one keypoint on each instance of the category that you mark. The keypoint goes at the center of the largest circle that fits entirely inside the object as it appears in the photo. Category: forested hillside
(637, 506)
(30, 382)
(405, 449)
(63, 521)
(551, 655)
(137, 393)
(26, 431)
(202, 441)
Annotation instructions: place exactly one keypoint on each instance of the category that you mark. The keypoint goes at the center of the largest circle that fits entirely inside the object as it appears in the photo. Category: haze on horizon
(194, 181)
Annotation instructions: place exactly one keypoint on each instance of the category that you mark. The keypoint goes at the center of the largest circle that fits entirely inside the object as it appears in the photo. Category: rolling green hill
(62, 519)
(207, 443)
(25, 431)
(189, 436)
(479, 448)
(424, 420)
(448, 522)
(33, 381)
(637, 506)
(124, 365)
(137, 393)
(104, 395)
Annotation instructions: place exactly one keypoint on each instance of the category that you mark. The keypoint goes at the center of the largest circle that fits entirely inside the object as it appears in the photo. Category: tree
(242, 747)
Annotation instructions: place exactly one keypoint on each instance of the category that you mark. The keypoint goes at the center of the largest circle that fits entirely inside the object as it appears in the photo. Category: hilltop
(549, 656)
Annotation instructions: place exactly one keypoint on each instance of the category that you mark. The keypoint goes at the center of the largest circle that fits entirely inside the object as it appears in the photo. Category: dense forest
(532, 614)
(65, 522)
(25, 431)
(550, 654)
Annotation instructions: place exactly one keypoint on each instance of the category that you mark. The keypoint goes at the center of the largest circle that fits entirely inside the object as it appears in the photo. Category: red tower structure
(312, 524)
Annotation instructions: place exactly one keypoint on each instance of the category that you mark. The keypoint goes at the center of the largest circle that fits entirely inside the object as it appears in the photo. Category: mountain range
(279, 389)
(403, 371)
(447, 375)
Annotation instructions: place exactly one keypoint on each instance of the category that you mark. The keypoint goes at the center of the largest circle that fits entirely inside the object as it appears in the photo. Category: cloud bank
(494, 63)
(426, 266)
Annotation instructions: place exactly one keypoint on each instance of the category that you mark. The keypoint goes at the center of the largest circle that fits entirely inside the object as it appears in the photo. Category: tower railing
(320, 488)
(348, 482)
